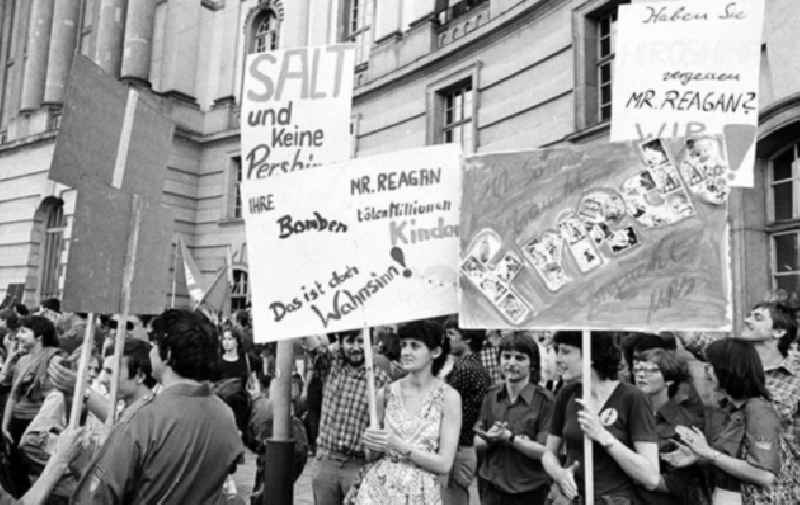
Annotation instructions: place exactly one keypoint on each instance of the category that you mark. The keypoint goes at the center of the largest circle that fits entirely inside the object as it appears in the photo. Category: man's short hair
(188, 343)
(21, 309)
(782, 319)
(42, 328)
(52, 304)
(137, 353)
(522, 341)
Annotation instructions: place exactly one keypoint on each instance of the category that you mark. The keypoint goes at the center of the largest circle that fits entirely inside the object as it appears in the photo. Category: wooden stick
(83, 363)
(368, 364)
(281, 391)
(127, 281)
(174, 275)
(588, 449)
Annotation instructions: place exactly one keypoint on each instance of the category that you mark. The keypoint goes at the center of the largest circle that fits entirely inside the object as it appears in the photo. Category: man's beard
(354, 362)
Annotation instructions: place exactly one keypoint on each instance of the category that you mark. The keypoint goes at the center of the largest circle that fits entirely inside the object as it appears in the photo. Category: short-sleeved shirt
(472, 381)
(179, 448)
(753, 427)
(490, 359)
(345, 409)
(626, 415)
(783, 385)
(504, 466)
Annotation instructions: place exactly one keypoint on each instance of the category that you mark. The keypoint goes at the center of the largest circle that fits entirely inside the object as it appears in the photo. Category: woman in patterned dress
(421, 418)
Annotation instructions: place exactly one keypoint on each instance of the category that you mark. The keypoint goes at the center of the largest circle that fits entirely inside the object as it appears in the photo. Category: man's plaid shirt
(345, 409)
(783, 385)
(490, 359)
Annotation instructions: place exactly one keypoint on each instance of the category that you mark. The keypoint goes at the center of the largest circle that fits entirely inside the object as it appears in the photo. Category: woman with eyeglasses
(617, 418)
(746, 452)
(664, 378)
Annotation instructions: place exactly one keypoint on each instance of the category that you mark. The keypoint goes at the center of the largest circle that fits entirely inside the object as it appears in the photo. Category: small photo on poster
(485, 245)
(472, 268)
(704, 169)
(508, 267)
(513, 307)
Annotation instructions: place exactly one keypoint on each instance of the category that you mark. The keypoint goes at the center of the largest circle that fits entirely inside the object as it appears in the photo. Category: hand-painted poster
(689, 68)
(611, 236)
(296, 109)
(367, 242)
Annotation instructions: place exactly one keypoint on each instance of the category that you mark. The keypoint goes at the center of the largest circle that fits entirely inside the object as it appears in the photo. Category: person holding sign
(180, 446)
(344, 416)
(513, 425)
(421, 416)
(618, 419)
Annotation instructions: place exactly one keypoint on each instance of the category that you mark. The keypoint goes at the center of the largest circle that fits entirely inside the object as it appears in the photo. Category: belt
(340, 456)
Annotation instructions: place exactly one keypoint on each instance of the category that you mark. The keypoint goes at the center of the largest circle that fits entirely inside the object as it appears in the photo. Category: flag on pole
(218, 296)
(194, 282)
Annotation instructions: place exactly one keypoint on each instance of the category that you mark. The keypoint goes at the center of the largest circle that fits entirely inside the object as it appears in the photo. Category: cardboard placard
(616, 236)
(362, 243)
(296, 109)
(686, 68)
(89, 140)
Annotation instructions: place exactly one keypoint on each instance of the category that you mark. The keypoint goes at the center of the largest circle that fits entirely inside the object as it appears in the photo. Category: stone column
(110, 28)
(36, 62)
(209, 55)
(66, 20)
(138, 39)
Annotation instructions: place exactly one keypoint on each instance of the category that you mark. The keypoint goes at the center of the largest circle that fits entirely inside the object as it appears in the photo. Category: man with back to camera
(179, 447)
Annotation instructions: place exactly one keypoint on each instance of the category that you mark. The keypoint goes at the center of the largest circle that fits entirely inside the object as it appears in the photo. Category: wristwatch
(511, 438)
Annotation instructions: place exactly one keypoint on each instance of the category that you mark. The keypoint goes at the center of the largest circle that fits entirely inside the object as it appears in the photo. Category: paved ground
(246, 474)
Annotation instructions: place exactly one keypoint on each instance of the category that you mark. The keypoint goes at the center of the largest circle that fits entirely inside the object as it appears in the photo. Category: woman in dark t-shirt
(617, 418)
(234, 372)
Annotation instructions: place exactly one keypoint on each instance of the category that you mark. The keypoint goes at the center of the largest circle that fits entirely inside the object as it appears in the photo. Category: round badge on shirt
(609, 416)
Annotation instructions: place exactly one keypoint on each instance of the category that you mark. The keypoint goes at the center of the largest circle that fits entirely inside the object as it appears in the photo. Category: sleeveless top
(393, 481)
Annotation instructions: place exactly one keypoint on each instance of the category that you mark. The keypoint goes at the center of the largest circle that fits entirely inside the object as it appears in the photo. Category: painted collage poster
(616, 236)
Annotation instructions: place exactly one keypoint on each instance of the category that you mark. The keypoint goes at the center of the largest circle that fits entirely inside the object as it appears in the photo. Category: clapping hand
(681, 457)
(566, 480)
(498, 433)
(695, 440)
(376, 439)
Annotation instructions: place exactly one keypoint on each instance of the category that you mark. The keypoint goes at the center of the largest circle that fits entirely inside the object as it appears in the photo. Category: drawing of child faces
(494, 278)
(704, 169)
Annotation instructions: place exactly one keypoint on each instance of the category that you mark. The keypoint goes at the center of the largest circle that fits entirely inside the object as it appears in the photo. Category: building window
(265, 33)
(236, 189)
(353, 24)
(595, 28)
(606, 41)
(51, 247)
(457, 111)
(239, 291)
(784, 205)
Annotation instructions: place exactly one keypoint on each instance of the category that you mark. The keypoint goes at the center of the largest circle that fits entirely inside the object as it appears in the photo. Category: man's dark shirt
(472, 381)
(529, 416)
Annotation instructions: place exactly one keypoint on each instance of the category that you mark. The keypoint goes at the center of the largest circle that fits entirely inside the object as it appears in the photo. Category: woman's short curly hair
(188, 343)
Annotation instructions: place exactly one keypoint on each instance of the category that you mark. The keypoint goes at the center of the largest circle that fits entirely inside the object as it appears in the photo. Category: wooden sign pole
(368, 364)
(127, 281)
(83, 363)
(588, 449)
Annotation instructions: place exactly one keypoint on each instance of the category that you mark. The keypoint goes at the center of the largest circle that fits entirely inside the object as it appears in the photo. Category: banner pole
(588, 449)
(80, 382)
(174, 274)
(368, 364)
(122, 331)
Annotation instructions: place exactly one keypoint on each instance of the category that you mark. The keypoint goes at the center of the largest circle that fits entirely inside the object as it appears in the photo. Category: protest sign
(103, 129)
(613, 236)
(296, 109)
(14, 293)
(687, 68)
(98, 249)
(366, 242)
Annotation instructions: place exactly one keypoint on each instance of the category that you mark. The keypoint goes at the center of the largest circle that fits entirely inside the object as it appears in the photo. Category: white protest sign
(367, 242)
(683, 69)
(296, 109)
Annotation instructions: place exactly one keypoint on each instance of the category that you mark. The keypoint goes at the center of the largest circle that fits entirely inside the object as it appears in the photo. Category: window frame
(585, 40)
(51, 248)
(786, 226)
(245, 296)
(435, 104)
(267, 14)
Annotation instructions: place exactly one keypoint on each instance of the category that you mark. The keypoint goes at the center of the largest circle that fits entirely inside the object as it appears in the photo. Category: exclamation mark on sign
(398, 256)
